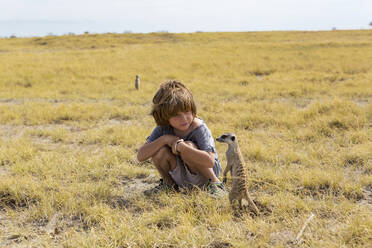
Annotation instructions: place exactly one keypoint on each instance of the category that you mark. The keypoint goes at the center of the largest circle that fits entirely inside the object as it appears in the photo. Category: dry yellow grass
(71, 122)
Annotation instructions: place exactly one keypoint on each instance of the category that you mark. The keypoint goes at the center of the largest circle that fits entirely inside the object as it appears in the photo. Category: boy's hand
(170, 139)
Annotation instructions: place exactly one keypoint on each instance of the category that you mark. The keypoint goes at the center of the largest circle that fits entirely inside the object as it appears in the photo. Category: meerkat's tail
(253, 205)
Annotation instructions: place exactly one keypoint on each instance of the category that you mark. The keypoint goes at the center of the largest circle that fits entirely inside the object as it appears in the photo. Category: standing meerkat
(137, 82)
(235, 164)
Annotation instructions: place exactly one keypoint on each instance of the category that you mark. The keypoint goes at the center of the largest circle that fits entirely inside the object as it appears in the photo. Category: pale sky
(42, 17)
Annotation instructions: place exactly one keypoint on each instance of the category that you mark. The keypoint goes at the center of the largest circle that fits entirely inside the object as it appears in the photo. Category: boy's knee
(190, 143)
(161, 154)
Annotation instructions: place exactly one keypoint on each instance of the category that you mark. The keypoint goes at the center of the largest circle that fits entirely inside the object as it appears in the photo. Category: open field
(71, 122)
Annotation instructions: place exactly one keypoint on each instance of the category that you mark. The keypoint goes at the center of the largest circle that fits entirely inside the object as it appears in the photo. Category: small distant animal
(137, 82)
(235, 164)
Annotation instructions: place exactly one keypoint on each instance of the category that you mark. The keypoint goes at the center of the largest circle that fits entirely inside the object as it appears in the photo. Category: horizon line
(191, 32)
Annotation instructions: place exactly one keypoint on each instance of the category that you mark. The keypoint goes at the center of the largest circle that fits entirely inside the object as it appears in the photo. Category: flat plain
(71, 122)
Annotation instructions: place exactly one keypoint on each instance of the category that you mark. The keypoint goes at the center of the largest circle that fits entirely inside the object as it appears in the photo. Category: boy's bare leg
(204, 171)
(164, 162)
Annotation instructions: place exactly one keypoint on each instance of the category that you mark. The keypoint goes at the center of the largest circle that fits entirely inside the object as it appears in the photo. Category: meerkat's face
(228, 138)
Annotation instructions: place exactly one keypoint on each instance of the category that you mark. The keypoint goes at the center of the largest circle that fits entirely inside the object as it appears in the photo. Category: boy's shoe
(216, 189)
(162, 187)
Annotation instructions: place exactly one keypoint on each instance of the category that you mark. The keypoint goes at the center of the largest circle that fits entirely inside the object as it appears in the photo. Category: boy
(181, 146)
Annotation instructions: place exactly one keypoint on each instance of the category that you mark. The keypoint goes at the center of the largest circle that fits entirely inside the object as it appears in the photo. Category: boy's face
(182, 120)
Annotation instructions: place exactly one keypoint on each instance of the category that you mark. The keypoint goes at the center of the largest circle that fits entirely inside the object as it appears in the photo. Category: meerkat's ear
(233, 138)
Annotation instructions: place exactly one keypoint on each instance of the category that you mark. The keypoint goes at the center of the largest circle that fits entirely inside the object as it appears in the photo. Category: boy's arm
(148, 150)
(192, 155)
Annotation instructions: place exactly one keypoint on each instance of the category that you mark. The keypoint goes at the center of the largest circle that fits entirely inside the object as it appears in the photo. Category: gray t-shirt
(201, 136)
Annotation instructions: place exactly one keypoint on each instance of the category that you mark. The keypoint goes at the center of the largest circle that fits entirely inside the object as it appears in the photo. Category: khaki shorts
(184, 178)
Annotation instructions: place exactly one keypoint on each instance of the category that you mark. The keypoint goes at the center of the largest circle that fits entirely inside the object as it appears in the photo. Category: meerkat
(137, 82)
(235, 164)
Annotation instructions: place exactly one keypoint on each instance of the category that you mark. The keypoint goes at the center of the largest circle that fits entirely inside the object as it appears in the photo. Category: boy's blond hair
(172, 97)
